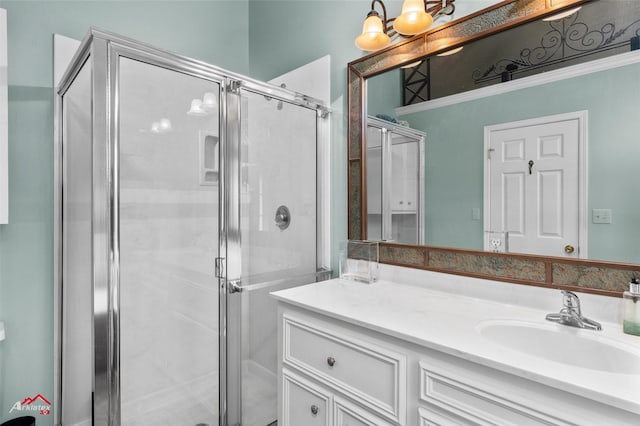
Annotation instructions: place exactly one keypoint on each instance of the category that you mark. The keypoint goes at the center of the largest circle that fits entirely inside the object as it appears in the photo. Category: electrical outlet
(601, 215)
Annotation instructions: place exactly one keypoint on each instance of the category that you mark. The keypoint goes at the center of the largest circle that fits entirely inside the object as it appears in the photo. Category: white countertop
(448, 322)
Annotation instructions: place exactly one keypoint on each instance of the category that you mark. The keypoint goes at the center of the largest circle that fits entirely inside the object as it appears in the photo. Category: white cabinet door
(404, 164)
(304, 403)
(347, 414)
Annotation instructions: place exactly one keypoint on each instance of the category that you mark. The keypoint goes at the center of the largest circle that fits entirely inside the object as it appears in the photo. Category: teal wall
(384, 93)
(454, 157)
(213, 31)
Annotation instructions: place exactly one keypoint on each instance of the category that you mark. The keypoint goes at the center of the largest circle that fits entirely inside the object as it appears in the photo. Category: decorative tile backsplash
(580, 275)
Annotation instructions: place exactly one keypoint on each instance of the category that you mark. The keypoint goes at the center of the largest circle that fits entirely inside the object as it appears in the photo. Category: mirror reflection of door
(534, 186)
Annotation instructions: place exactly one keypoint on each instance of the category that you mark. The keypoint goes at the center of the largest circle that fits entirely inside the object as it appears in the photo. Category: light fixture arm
(385, 22)
(443, 7)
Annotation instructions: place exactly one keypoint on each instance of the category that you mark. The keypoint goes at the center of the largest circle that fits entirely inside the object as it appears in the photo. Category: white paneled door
(534, 186)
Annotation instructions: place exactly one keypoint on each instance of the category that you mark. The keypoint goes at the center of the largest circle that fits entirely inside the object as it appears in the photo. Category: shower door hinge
(233, 86)
(220, 273)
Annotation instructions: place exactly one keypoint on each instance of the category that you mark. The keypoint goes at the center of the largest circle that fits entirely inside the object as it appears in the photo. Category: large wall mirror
(530, 122)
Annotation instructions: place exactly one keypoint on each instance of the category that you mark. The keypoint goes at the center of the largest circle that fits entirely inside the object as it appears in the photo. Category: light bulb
(196, 108)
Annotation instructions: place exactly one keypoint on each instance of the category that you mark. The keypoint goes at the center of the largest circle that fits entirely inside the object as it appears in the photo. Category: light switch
(601, 215)
(475, 213)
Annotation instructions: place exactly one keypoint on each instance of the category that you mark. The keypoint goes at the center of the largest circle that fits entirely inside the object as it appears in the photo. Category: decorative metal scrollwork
(566, 40)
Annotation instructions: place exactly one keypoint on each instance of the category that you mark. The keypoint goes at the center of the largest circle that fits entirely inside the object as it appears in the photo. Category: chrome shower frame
(103, 51)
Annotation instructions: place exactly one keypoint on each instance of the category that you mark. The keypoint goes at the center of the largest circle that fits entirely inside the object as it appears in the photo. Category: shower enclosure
(185, 194)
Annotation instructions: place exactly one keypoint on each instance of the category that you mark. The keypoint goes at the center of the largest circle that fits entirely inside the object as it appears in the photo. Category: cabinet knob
(401, 202)
(331, 361)
(314, 409)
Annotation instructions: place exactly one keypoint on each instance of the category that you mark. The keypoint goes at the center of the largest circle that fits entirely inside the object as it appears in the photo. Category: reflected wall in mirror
(582, 68)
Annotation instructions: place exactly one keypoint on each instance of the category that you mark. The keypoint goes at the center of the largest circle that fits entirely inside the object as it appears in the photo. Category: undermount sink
(566, 345)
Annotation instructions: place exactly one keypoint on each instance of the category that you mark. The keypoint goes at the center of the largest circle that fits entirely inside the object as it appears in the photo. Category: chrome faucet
(571, 315)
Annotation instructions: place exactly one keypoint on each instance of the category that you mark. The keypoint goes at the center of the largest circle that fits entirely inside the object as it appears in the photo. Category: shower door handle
(235, 286)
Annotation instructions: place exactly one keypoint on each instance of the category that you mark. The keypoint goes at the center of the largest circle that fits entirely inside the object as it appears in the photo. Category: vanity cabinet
(334, 373)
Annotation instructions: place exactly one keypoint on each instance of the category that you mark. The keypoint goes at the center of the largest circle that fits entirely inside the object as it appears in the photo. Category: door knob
(569, 249)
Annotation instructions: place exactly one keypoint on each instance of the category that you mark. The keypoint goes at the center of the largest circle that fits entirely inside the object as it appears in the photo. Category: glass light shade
(562, 15)
(413, 19)
(451, 52)
(209, 101)
(373, 36)
(196, 108)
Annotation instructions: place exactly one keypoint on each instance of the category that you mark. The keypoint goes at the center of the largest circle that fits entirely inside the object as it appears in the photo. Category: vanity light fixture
(562, 15)
(416, 17)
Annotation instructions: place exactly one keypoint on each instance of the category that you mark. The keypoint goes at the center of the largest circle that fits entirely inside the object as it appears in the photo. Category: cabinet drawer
(462, 396)
(372, 375)
(304, 403)
(431, 418)
(347, 414)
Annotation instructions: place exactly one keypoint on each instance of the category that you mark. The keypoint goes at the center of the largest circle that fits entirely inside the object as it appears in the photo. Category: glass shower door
(169, 129)
(277, 241)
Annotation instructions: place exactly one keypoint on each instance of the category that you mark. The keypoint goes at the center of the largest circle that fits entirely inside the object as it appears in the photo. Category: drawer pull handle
(331, 361)
(314, 409)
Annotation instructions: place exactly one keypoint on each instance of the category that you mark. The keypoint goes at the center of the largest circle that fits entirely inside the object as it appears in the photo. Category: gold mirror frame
(599, 277)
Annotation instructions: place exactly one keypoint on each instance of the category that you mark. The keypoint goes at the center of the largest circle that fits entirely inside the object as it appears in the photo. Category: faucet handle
(570, 300)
